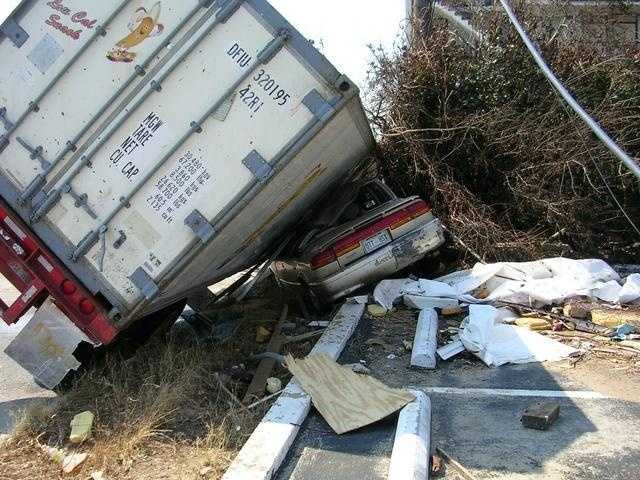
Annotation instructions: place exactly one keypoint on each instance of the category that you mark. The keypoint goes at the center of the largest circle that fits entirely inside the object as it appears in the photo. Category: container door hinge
(85, 245)
(35, 153)
(14, 32)
(200, 226)
(258, 166)
(274, 46)
(143, 281)
(32, 189)
(80, 200)
(316, 103)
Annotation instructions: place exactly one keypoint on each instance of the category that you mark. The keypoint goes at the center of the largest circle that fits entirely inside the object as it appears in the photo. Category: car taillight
(322, 259)
(346, 245)
(398, 219)
(418, 208)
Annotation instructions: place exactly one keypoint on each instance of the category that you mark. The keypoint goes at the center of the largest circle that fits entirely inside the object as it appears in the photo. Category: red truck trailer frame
(37, 274)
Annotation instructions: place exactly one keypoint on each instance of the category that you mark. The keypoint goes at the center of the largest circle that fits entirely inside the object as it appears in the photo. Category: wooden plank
(412, 444)
(266, 365)
(346, 400)
(267, 446)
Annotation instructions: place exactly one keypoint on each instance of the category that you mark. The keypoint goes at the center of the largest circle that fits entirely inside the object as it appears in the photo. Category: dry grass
(159, 414)
(479, 131)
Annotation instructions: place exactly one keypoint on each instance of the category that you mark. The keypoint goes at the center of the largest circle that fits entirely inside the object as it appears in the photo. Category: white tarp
(544, 282)
(496, 343)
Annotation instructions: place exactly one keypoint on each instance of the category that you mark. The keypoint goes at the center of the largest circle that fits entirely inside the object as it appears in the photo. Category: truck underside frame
(36, 273)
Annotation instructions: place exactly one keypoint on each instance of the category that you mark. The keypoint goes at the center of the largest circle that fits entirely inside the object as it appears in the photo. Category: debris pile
(510, 305)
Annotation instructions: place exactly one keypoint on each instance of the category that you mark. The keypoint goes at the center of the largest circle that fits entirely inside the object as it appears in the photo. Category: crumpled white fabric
(630, 292)
(540, 283)
(496, 343)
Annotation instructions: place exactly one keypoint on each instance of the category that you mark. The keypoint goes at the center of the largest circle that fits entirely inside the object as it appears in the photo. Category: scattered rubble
(377, 310)
(263, 334)
(358, 368)
(273, 385)
(450, 350)
(510, 304)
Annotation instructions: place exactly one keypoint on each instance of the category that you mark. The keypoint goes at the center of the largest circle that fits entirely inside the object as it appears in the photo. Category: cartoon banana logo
(144, 24)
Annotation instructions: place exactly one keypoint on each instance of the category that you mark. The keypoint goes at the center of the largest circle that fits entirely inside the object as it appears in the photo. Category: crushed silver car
(362, 234)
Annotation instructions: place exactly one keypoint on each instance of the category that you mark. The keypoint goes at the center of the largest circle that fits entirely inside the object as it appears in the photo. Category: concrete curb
(425, 342)
(268, 445)
(412, 445)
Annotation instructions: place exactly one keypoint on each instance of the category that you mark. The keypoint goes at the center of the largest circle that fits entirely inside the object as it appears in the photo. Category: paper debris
(81, 427)
(274, 385)
(73, 461)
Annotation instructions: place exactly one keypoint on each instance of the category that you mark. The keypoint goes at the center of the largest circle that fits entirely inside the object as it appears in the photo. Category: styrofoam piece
(412, 444)
(450, 350)
(266, 448)
(423, 303)
(425, 342)
(630, 292)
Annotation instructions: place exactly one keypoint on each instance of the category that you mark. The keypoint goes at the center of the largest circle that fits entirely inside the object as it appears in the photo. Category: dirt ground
(168, 411)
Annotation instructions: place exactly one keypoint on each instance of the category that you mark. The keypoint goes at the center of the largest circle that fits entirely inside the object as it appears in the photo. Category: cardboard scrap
(346, 400)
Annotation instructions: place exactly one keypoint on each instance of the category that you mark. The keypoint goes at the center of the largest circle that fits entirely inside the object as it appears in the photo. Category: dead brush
(478, 130)
(166, 398)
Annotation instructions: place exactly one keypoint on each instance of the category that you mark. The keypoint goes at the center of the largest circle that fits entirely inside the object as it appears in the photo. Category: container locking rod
(267, 53)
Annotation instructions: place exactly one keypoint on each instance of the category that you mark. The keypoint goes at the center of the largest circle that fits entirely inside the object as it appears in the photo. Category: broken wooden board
(263, 372)
(346, 400)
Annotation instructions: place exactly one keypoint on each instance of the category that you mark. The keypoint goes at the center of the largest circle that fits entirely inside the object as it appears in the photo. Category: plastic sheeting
(544, 282)
(496, 343)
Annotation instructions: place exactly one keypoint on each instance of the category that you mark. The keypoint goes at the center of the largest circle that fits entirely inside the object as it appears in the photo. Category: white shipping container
(157, 146)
